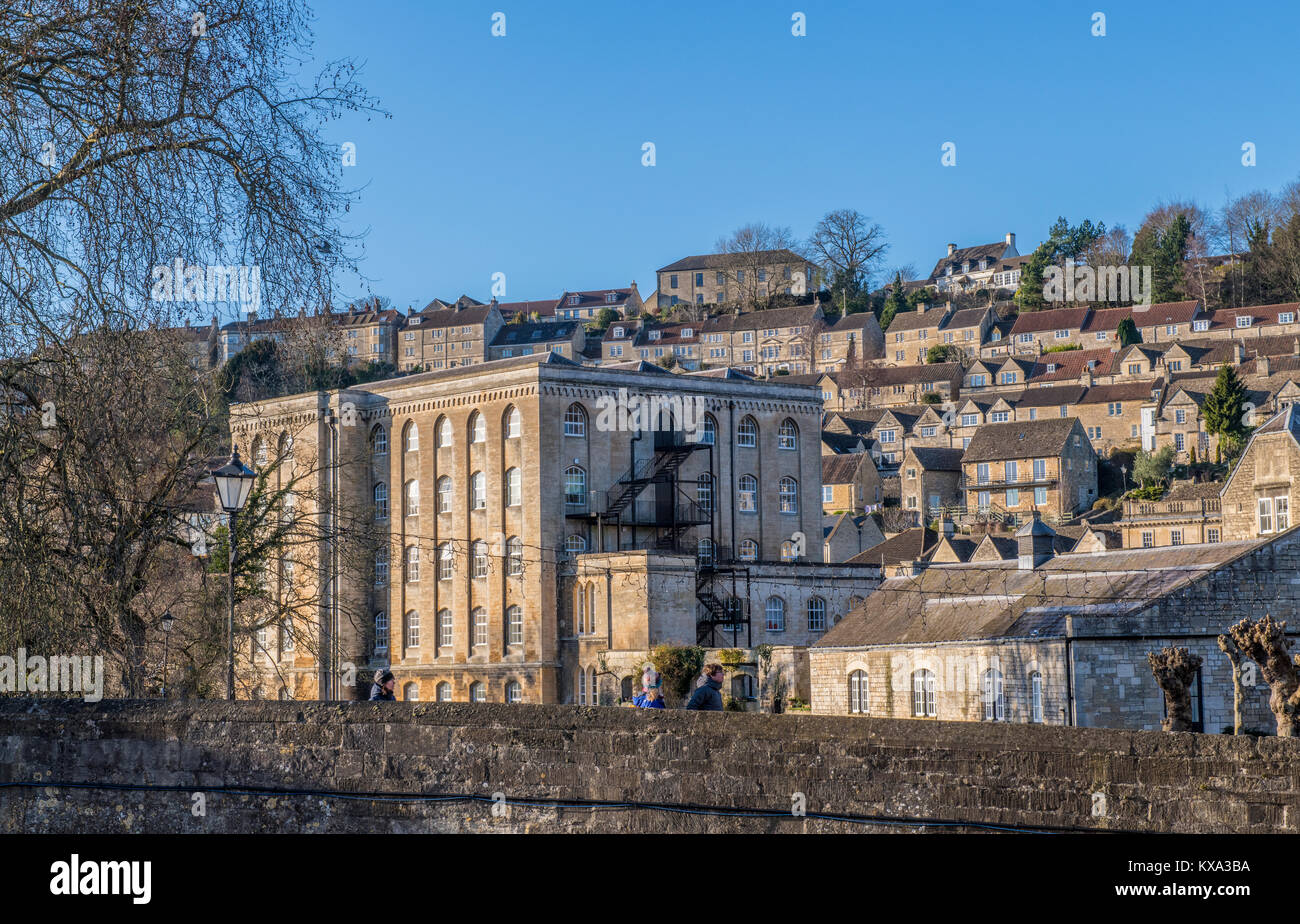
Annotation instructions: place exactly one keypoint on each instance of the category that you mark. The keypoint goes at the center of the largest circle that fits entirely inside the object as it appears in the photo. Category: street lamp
(1124, 471)
(234, 481)
(166, 622)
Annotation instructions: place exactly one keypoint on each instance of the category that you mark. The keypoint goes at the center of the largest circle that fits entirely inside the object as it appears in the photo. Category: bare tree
(1229, 648)
(1264, 641)
(751, 253)
(850, 248)
(1174, 670)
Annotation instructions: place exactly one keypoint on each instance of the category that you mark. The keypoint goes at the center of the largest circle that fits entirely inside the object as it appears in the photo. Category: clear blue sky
(523, 154)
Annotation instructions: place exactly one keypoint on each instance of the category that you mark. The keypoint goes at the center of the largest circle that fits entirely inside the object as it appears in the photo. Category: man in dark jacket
(707, 697)
(382, 688)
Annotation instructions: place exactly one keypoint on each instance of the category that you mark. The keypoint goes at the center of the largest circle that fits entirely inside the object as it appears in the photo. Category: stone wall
(292, 763)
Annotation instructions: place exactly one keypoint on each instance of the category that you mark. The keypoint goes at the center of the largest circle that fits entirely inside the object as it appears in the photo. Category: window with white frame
(379, 441)
(446, 630)
(514, 556)
(1036, 697)
(479, 559)
(923, 698)
(575, 421)
(514, 487)
(788, 436)
(747, 433)
(575, 486)
(381, 501)
(514, 625)
(858, 692)
(774, 614)
(704, 491)
(747, 493)
(412, 498)
(444, 436)
(446, 562)
(477, 491)
(514, 692)
(381, 567)
(412, 564)
(480, 622)
(816, 614)
(788, 495)
(995, 704)
(748, 550)
(1282, 513)
(412, 438)
(412, 629)
(444, 494)
(381, 632)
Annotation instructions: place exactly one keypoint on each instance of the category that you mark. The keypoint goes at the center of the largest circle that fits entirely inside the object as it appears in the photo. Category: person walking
(651, 691)
(382, 688)
(708, 696)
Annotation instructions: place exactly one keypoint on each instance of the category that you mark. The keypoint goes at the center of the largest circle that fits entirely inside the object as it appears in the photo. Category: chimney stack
(1034, 543)
(1262, 365)
(952, 248)
(1011, 240)
(1238, 353)
(922, 306)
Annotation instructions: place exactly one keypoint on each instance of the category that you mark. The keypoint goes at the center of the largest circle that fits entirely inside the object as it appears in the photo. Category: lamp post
(166, 622)
(1124, 471)
(234, 481)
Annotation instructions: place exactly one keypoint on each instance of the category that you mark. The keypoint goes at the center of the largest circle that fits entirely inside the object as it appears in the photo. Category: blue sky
(522, 154)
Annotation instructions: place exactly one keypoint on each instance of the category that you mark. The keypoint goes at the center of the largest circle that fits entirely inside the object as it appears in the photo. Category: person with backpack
(708, 696)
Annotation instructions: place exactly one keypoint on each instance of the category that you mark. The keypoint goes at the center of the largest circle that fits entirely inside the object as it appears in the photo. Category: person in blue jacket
(382, 688)
(651, 694)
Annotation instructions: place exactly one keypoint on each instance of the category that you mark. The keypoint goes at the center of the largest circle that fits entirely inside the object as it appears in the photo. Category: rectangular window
(1013, 498)
(1010, 470)
(982, 473)
(828, 494)
(1212, 535)
(672, 281)
(970, 420)
(1282, 513)
(1180, 416)
(1265, 515)
(1040, 496)
(1148, 539)
(1040, 469)
(1175, 537)
(984, 500)
(1178, 442)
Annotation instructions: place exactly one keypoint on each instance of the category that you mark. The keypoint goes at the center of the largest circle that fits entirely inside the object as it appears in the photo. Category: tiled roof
(973, 255)
(530, 332)
(1070, 365)
(450, 317)
(856, 321)
(1032, 322)
(1020, 439)
(926, 373)
(841, 469)
(966, 317)
(915, 320)
(775, 318)
(1106, 319)
(1193, 490)
(708, 261)
(934, 459)
(842, 442)
(1120, 391)
(1165, 313)
(1048, 396)
(909, 545)
(544, 308)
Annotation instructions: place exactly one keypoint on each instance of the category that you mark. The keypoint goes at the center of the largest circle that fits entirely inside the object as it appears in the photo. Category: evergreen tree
(1128, 333)
(1224, 407)
(1164, 251)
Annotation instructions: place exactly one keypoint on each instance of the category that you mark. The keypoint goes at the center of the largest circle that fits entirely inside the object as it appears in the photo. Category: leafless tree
(751, 252)
(1229, 648)
(849, 246)
(1264, 641)
(1174, 670)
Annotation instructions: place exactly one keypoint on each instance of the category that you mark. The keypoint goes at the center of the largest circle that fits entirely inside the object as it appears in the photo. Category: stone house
(930, 480)
(731, 278)
(895, 385)
(1046, 467)
(1188, 514)
(847, 534)
(985, 266)
(850, 483)
(1264, 486)
(912, 333)
(1112, 415)
(1036, 331)
(526, 338)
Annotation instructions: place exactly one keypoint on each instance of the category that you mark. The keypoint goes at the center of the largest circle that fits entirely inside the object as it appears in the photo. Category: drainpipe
(731, 446)
(1069, 671)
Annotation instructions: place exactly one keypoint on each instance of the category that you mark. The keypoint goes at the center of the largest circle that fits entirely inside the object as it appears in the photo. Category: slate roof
(841, 469)
(1032, 322)
(706, 261)
(935, 459)
(1020, 439)
(910, 545)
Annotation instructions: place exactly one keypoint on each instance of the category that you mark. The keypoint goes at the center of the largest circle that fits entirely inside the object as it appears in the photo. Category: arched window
(446, 628)
(1036, 697)
(816, 614)
(411, 692)
(259, 452)
(575, 486)
(858, 692)
(593, 687)
(514, 488)
(444, 437)
(704, 553)
(923, 702)
(477, 692)
(514, 692)
(412, 629)
(704, 492)
(446, 560)
(477, 428)
(787, 436)
(378, 440)
(412, 564)
(514, 625)
(477, 491)
(285, 447)
(788, 495)
(381, 632)
(575, 545)
(444, 494)
(514, 556)
(412, 437)
(480, 622)
(479, 559)
(381, 501)
(787, 551)
(709, 433)
(443, 692)
(747, 493)
(582, 686)
(748, 550)
(413, 498)
(575, 421)
(775, 614)
(381, 567)
(995, 703)
(580, 592)
(747, 432)
(514, 423)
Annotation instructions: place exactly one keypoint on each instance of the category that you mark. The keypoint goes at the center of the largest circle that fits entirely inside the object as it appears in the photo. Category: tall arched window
(381, 567)
(704, 553)
(788, 495)
(480, 621)
(858, 692)
(575, 420)
(477, 692)
(575, 486)
(1036, 697)
(514, 556)
(286, 447)
(580, 601)
(747, 432)
(477, 428)
(514, 625)
(378, 440)
(444, 494)
(787, 437)
(923, 701)
(816, 614)
(995, 704)
(582, 686)
(775, 614)
(412, 437)
(593, 687)
(479, 558)
(788, 551)
(381, 501)
(446, 560)
(514, 692)
(444, 435)
(412, 564)
(413, 498)
(259, 452)
(411, 692)
(747, 493)
(412, 629)
(477, 491)
(704, 491)
(514, 487)
(575, 545)
(446, 631)
(514, 423)
(381, 632)
(443, 693)
(748, 550)
(709, 432)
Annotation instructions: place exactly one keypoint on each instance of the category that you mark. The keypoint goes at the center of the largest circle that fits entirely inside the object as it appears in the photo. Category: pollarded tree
(1264, 641)
(1175, 670)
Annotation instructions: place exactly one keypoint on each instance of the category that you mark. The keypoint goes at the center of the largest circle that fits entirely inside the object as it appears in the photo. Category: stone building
(985, 266)
(1264, 486)
(730, 278)
(1188, 514)
(1056, 638)
(464, 497)
(1047, 467)
(930, 480)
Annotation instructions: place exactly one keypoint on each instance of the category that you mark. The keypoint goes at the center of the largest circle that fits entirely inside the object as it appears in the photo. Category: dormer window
(687, 333)
(1051, 367)
(948, 271)
(1200, 325)
(1243, 320)
(1286, 317)
(574, 299)
(611, 298)
(965, 266)
(618, 332)
(654, 335)
(984, 264)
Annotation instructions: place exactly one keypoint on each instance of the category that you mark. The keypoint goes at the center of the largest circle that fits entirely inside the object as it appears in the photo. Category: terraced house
(1047, 467)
